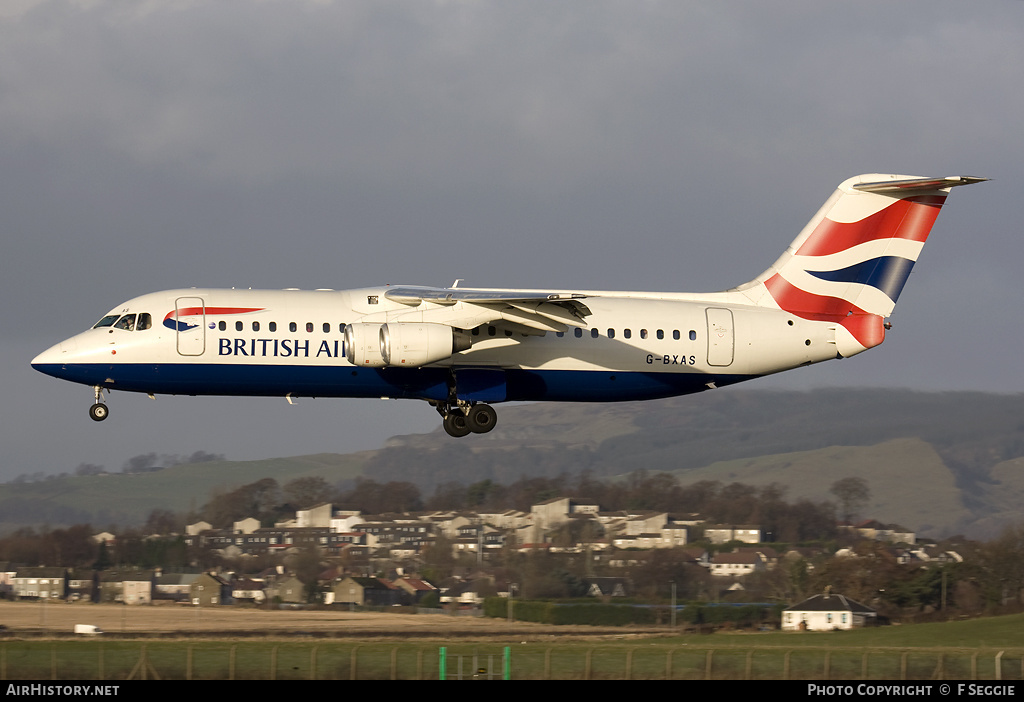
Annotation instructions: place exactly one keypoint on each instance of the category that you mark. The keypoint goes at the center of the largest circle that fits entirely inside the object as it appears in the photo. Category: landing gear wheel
(481, 418)
(99, 412)
(455, 424)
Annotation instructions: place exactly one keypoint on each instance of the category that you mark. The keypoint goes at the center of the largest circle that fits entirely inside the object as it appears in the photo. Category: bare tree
(853, 495)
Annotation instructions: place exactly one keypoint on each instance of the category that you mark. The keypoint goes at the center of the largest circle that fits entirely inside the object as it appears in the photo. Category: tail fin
(851, 261)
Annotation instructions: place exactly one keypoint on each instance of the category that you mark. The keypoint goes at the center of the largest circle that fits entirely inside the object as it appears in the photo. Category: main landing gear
(462, 419)
(99, 410)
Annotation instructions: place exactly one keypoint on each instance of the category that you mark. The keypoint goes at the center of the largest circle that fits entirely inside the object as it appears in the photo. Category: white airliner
(461, 349)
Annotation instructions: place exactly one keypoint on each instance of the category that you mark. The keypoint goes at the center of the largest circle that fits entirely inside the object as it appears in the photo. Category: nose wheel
(99, 411)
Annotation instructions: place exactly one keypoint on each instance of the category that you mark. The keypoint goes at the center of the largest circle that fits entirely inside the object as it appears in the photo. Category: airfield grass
(965, 650)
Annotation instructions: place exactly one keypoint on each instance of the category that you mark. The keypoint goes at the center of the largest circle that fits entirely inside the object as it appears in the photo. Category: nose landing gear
(99, 410)
(462, 419)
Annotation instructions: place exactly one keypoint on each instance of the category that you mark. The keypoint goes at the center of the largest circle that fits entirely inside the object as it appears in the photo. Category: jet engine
(411, 345)
(362, 345)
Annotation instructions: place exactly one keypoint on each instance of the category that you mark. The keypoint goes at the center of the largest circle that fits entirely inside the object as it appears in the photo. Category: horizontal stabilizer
(910, 184)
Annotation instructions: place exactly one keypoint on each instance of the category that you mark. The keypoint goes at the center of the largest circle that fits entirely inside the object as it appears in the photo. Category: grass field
(217, 645)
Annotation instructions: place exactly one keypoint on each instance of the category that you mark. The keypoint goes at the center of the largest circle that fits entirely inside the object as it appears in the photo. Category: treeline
(142, 463)
(74, 547)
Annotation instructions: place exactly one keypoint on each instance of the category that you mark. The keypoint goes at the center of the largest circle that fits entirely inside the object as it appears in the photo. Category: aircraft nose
(53, 356)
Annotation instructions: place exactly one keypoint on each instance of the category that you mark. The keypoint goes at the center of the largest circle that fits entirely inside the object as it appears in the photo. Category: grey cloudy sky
(609, 145)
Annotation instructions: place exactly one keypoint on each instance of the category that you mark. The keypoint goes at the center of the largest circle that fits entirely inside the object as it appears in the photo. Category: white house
(827, 612)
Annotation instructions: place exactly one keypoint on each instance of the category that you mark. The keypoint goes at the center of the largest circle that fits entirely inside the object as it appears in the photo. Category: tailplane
(851, 261)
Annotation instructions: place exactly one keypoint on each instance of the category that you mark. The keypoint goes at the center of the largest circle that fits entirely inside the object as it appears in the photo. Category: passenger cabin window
(292, 326)
(661, 333)
(255, 326)
(675, 334)
(309, 327)
(222, 325)
(273, 326)
(594, 333)
(693, 335)
(238, 326)
(611, 333)
(627, 333)
(327, 327)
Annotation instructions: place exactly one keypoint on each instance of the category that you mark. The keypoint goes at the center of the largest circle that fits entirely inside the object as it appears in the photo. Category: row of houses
(140, 587)
(560, 524)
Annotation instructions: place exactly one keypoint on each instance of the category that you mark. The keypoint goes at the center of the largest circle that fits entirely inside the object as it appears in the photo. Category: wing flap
(533, 311)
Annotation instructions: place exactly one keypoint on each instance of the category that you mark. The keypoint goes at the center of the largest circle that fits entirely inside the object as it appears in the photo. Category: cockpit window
(145, 321)
(107, 321)
(127, 323)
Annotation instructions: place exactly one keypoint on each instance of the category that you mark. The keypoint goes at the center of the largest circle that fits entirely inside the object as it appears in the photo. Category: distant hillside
(940, 463)
(127, 499)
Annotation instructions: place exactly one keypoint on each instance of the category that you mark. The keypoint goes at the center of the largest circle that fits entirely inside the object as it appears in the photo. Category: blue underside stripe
(418, 383)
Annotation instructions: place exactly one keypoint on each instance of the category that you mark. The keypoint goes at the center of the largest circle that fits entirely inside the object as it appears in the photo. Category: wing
(527, 312)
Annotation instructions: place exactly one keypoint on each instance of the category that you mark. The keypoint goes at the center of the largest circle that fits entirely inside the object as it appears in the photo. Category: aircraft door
(190, 325)
(720, 337)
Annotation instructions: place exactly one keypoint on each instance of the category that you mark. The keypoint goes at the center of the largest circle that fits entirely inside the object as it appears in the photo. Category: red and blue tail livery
(463, 350)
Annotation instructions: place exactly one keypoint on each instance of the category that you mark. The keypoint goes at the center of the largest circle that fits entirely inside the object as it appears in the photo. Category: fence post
(394, 663)
(707, 664)
(231, 662)
(442, 664)
(507, 667)
(629, 664)
(864, 667)
(547, 664)
(785, 665)
(586, 668)
(999, 665)
(828, 663)
(312, 663)
(352, 664)
(903, 666)
(668, 664)
(273, 663)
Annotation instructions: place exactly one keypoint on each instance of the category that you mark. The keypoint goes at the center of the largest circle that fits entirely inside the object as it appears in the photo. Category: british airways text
(283, 348)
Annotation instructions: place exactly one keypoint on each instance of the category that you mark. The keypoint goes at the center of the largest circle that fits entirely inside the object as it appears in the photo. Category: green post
(507, 667)
(443, 663)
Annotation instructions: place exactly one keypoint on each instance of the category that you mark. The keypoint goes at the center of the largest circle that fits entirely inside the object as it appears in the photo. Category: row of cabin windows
(491, 330)
(628, 333)
(292, 327)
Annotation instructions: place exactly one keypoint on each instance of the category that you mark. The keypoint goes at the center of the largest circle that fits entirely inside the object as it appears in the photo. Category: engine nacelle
(410, 345)
(362, 345)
